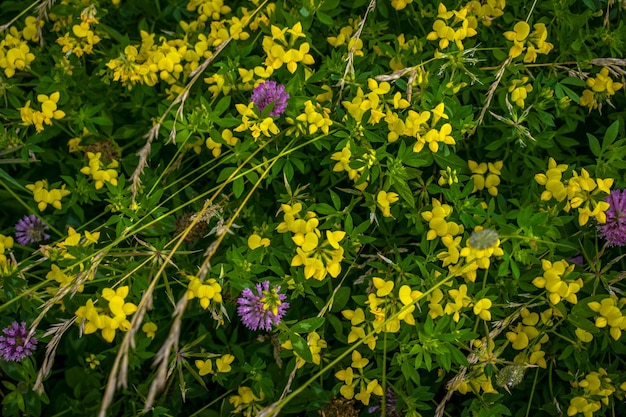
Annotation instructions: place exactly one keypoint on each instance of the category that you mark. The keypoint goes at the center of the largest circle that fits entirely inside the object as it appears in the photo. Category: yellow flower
(481, 309)
(384, 201)
(533, 43)
(43, 196)
(519, 90)
(255, 241)
(204, 367)
(149, 329)
(223, 363)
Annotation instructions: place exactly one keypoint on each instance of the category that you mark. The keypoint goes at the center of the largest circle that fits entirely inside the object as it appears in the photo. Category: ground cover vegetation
(313, 208)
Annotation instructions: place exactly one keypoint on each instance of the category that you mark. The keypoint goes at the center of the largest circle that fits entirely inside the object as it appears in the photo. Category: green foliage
(431, 200)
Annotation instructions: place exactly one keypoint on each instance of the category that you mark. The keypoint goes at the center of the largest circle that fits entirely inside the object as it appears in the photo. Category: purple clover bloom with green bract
(262, 309)
(30, 229)
(614, 230)
(268, 92)
(15, 344)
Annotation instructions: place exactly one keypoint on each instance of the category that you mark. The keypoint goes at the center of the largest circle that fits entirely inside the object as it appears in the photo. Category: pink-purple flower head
(15, 344)
(270, 92)
(30, 229)
(614, 230)
(262, 309)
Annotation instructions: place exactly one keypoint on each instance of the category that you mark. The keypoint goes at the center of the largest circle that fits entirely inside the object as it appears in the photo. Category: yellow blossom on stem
(384, 200)
(481, 308)
(602, 88)
(149, 329)
(489, 181)
(251, 121)
(519, 90)
(437, 223)
(100, 175)
(206, 292)
(552, 180)
(43, 196)
(255, 241)
(610, 314)
(533, 43)
(48, 111)
(555, 281)
(246, 402)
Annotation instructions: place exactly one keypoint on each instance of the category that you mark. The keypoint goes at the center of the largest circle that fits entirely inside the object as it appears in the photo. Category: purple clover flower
(264, 309)
(30, 229)
(268, 92)
(15, 344)
(390, 405)
(614, 230)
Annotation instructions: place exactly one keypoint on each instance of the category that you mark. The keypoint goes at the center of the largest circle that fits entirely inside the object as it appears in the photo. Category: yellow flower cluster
(384, 200)
(426, 133)
(251, 121)
(82, 38)
(315, 343)
(99, 175)
(314, 118)
(491, 181)
(581, 191)
(43, 196)
(452, 26)
(48, 111)
(519, 90)
(357, 332)
(474, 382)
(208, 9)
(555, 281)
(113, 318)
(610, 314)
(597, 389)
(15, 54)
(524, 332)
(256, 241)
(437, 224)
(222, 365)
(400, 4)
(6, 264)
(448, 177)
(320, 257)
(477, 256)
(533, 43)
(281, 52)
(383, 303)
(206, 292)
(486, 10)
(373, 103)
(60, 251)
(366, 386)
(354, 45)
(602, 89)
(246, 402)
(344, 157)
(216, 147)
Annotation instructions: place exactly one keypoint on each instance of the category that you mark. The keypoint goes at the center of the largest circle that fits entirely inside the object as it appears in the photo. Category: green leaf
(341, 299)
(6, 176)
(325, 19)
(307, 325)
(594, 145)
(610, 135)
(336, 200)
(238, 187)
(221, 106)
(300, 346)
(404, 191)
